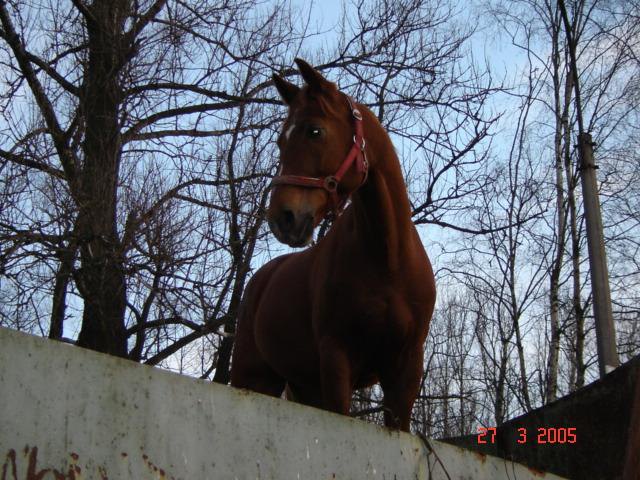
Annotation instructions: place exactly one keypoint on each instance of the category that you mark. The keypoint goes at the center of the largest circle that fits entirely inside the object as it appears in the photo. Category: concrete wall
(70, 414)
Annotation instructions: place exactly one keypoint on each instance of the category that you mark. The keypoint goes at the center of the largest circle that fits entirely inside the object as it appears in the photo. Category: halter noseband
(330, 182)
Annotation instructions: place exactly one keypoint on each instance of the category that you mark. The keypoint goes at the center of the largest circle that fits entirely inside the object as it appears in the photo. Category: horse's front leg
(335, 375)
(400, 386)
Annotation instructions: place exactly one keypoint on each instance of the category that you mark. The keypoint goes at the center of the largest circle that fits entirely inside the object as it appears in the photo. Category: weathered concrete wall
(67, 413)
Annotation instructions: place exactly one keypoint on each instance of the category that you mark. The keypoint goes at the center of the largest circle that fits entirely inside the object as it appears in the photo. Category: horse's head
(321, 156)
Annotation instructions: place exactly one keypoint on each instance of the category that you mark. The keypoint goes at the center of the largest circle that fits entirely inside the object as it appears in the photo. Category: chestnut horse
(353, 309)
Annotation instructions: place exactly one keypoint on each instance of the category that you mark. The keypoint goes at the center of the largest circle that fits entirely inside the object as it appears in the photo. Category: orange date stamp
(541, 435)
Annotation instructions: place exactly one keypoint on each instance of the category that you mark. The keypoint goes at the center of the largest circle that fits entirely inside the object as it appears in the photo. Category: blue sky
(326, 12)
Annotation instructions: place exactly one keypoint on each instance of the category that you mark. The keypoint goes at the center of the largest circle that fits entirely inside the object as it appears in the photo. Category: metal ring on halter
(356, 113)
(330, 183)
(355, 140)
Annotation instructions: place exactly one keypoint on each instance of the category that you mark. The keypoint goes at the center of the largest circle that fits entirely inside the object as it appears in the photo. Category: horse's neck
(382, 210)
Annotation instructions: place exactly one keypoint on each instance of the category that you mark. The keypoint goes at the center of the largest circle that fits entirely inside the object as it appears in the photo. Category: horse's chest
(366, 313)
(361, 313)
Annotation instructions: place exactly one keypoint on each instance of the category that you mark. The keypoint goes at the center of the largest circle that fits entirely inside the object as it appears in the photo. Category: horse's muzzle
(292, 228)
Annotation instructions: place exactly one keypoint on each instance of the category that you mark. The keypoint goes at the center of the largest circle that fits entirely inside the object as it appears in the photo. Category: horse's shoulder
(265, 271)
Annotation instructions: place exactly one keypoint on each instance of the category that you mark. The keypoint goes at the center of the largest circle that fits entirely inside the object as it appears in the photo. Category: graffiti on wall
(22, 464)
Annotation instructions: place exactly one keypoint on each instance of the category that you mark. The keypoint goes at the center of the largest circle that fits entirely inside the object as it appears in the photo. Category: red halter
(330, 182)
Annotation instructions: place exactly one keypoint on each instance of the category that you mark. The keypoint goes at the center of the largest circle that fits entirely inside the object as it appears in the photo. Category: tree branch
(67, 158)
(21, 160)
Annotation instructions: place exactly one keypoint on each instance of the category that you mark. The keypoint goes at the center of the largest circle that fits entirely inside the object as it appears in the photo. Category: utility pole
(605, 331)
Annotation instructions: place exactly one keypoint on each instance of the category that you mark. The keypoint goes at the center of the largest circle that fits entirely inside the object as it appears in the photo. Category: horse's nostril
(287, 220)
(308, 222)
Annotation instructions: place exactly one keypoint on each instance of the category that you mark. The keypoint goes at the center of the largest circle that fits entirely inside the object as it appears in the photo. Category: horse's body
(355, 308)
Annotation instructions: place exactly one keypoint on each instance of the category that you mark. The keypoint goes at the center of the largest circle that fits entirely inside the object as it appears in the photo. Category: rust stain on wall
(103, 473)
(22, 464)
(10, 461)
(537, 473)
(481, 457)
(157, 471)
(10, 470)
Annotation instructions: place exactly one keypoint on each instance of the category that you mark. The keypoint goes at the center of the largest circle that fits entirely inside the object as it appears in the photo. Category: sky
(326, 13)
(486, 43)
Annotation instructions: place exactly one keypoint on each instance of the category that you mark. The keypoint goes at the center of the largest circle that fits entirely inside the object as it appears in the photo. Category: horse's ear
(287, 90)
(314, 79)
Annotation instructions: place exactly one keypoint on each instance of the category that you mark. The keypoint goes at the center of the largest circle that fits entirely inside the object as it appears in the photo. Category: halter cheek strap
(330, 182)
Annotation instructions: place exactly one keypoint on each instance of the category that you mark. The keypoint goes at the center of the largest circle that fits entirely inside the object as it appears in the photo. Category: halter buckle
(330, 184)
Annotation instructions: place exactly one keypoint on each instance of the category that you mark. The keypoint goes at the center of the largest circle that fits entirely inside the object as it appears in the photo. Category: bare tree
(450, 399)
(604, 76)
(142, 173)
(128, 143)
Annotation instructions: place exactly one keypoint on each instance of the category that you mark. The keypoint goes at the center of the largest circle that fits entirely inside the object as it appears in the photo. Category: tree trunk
(526, 398)
(500, 403)
(101, 278)
(562, 112)
(59, 301)
(578, 311)
(554, 281)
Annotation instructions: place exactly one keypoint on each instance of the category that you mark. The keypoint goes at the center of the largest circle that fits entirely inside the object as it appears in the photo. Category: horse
(354, 308)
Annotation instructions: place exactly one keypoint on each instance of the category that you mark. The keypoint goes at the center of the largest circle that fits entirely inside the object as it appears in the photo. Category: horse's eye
(314, 132)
